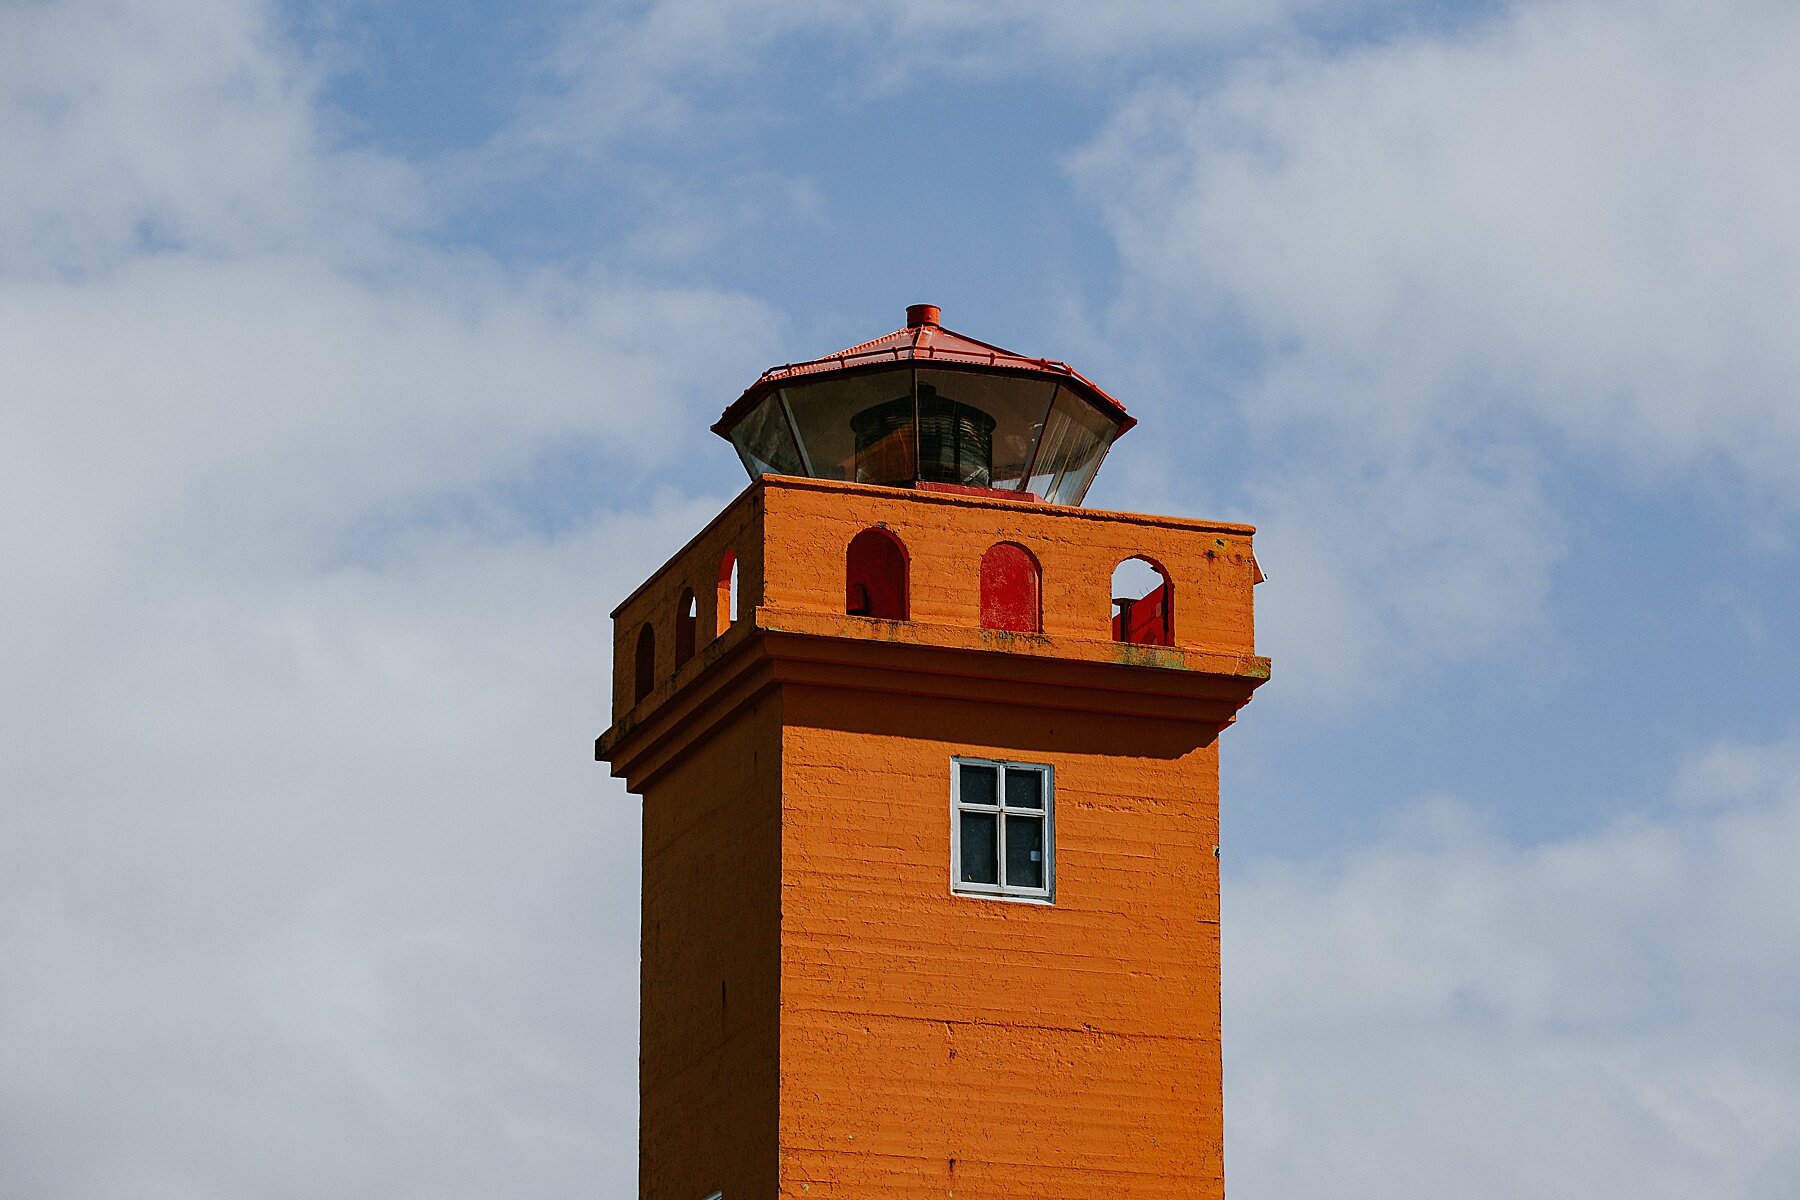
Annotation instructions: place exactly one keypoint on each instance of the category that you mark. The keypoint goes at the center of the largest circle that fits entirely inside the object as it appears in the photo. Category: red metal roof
(923, 340)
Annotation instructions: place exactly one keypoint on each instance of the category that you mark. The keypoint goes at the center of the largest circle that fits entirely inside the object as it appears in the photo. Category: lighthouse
(930, 798)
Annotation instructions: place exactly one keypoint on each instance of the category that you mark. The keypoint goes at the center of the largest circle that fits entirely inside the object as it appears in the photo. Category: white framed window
(1002, 829)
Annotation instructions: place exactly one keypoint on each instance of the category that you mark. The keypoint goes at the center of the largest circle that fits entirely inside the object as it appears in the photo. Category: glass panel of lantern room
(764, 441)
(956, 440)
(1075, 440)
(992, 443)
(857, 428)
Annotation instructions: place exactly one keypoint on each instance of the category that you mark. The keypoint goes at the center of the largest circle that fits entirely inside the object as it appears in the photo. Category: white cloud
(313, 880)
(307, 879)
(627, 70)
(1383, 562)
(1568, 227)
(1734, 773)
(133, 126)
(1443, 1014)
(1582, 208)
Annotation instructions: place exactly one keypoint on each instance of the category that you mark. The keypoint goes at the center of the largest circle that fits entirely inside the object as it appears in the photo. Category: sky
(356, 358)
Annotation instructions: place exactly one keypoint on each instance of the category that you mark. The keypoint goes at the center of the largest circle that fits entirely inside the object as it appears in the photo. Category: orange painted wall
(791, 534)
(935, 1044)
(894, 1040)
(809, 523)
(708, 1022)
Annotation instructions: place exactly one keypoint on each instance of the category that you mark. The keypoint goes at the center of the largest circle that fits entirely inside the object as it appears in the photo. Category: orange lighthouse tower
(931, 888)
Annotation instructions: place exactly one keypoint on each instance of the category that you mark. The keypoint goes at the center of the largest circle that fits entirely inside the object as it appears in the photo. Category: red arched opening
(1143, 603)
(875, 576)
(725, 610)
(687, 622)
(646, 663)
(1010, 589)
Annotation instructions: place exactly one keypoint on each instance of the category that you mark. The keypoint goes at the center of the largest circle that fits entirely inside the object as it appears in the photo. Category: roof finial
(922, 314)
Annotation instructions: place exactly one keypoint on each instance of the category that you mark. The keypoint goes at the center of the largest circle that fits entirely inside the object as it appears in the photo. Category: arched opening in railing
(875, 576)
(1011, 587)
(646, 663)
(1143, 603)
(687, 624)
(726, 610)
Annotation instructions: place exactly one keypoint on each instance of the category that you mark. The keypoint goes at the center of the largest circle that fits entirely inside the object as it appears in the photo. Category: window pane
(980, 847)
(1024, 852)
(1024, 788)
(979, 785)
